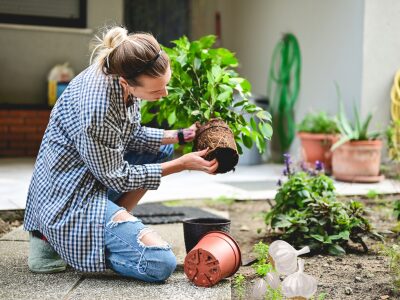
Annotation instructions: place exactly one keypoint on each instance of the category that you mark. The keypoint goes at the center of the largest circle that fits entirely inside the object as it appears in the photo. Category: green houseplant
(317, 132)
(357, 155)
(202, 89)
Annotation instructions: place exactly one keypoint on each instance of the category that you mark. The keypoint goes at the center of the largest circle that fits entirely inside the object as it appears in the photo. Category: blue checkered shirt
(80, 158)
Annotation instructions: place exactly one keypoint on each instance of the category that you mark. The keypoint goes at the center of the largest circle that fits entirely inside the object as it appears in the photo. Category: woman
(96, 162)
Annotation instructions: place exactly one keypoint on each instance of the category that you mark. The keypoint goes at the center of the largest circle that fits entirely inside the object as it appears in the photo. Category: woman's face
(151, 89)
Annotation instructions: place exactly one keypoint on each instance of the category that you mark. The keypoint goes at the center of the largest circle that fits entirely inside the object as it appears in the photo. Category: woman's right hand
(195, 161)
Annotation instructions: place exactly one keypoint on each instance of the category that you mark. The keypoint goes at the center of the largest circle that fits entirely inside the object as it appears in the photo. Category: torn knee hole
(122, 216)
(149, 237)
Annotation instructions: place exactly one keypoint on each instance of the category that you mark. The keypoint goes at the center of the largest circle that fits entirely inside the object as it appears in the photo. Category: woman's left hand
(190, 133)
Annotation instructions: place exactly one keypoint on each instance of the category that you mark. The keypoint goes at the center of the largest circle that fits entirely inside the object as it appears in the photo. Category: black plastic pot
(195, 228)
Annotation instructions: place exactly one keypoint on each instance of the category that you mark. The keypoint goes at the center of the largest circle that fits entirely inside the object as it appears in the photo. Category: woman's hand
(190, 161)
(195, 161)
(190, 133)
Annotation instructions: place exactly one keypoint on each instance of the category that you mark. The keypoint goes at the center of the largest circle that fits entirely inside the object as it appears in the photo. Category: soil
(363, 275)
(217, 136)
(9, 220)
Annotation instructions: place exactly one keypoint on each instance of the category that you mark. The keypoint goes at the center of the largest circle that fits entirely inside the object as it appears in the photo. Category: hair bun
(114, 37)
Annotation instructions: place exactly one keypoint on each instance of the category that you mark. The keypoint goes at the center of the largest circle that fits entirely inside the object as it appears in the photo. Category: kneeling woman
(96, 162)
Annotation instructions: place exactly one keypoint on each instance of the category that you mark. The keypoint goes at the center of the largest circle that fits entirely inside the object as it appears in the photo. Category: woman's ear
(123, 82)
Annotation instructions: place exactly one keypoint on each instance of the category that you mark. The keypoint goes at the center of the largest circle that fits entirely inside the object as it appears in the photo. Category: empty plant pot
(216, 256)
(194, 229)
(218, 137)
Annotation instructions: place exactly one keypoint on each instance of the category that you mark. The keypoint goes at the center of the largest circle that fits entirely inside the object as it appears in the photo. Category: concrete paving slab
(16, 235)
(257, 182)
(177, 287)
(17, 282)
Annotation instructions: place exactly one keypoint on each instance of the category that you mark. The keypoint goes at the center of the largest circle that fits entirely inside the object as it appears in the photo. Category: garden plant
(317, 133)
(202, 89)
(307, 213)
(357, 155)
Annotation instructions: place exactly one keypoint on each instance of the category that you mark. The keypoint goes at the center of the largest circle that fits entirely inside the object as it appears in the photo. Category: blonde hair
(128, 55)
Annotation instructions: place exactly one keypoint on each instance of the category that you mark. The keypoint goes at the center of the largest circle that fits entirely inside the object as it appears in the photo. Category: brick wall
(21, 131)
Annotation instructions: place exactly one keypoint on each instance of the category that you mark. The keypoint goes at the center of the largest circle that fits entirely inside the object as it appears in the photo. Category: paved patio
(17, 282)
(256, 182)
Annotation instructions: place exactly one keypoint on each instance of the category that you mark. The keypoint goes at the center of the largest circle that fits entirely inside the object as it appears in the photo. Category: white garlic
(299, 285)
(259, 289)
(284, 257)
(273, 280)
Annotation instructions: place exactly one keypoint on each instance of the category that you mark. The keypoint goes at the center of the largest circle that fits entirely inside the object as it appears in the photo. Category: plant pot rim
(310, 135)
(221, 220)
(377, 142)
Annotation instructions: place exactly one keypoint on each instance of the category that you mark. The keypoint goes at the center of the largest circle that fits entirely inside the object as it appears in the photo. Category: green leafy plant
(238, 284)
(353, 132)
(392, 140)
(396, 209)
(307, 213)
(393, 253)
(202, 87)
(318, 123)
(372, 194)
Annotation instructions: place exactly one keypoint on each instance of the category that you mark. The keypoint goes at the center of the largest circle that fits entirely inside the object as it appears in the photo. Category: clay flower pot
(216, 256)
(358, 161)
(195, 228)
(219, 138)
(317, 147)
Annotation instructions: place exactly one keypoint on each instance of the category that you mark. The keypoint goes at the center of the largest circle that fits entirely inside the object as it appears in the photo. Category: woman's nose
(165, 92)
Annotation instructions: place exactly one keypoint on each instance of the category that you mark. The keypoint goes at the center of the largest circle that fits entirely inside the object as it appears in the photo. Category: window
(62, 13)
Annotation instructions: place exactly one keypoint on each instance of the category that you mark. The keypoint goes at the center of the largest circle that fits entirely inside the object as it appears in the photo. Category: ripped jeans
(126, 254)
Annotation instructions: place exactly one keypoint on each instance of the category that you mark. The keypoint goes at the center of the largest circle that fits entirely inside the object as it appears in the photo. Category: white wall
(381, 57)
(28, 53)
(330, 38)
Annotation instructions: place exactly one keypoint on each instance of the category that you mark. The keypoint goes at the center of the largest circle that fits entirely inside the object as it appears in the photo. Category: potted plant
(357, 155)
(317, 133)
(202, 89)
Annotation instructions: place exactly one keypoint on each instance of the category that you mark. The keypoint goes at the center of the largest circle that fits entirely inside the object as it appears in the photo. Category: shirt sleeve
(102, 151)
(146, 139)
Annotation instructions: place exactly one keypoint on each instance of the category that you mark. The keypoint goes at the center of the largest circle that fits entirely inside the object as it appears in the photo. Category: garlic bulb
(259, 289)
(284, 257)
(299, 285)
(273, 280)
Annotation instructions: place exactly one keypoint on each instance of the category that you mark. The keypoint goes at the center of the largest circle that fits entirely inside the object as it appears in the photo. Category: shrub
(307, 213)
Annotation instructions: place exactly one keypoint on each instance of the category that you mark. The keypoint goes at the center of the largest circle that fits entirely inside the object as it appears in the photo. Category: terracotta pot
(218, 137)
(195, 228)
(358, 161)
(317, 147)
(216, 256)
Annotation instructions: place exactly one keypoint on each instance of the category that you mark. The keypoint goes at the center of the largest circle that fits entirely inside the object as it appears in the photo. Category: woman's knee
(162, 268)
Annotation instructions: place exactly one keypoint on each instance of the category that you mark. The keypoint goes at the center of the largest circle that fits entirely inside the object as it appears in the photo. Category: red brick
(22, 129)
(12, 152)
(37, 121)
(33, 136)
(3, 129)
(43, 114)
(15, 136)
(11, 121)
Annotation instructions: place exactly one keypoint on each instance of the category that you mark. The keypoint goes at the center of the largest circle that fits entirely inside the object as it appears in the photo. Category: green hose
(285, 73)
